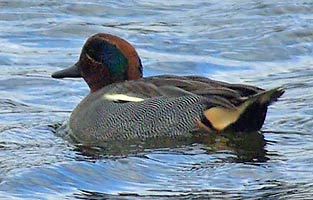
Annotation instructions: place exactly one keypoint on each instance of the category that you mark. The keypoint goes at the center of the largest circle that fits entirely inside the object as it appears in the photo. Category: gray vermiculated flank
(157, 116)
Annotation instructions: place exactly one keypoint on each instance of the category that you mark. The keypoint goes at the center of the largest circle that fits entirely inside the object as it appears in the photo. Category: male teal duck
(124, 105)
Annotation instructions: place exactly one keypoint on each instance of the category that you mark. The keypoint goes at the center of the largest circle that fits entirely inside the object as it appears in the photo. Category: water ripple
(257, 42)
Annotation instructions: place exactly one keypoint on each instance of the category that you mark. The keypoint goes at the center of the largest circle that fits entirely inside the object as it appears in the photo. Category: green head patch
(109, 55)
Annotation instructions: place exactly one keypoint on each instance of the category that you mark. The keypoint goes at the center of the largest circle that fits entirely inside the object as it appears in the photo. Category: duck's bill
(70, 72)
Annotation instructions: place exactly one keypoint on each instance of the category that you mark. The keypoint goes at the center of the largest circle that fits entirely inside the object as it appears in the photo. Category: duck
(122, 104)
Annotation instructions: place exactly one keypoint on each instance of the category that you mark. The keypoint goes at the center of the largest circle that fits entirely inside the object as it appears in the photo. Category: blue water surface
(263, 43)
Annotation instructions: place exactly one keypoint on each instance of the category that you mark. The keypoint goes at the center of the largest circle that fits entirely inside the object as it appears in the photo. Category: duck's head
(104, 59)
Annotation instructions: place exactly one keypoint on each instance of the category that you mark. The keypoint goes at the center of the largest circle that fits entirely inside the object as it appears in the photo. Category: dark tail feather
(254, 110)
(249, 116)
(269, 96)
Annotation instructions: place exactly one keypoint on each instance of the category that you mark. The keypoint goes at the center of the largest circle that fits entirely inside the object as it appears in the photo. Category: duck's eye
(96, 49)
(103, 51)
(108, 54)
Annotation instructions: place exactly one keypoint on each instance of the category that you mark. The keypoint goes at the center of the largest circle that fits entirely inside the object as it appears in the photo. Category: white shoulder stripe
(122, 97)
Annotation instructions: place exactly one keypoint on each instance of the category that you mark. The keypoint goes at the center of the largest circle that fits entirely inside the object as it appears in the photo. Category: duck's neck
(99, 76)
(100, 79)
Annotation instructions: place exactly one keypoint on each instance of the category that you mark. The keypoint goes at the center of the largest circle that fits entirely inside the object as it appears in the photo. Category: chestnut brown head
(104, 59)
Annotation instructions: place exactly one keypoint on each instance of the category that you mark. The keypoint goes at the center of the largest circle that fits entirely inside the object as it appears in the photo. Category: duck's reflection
(247, 147)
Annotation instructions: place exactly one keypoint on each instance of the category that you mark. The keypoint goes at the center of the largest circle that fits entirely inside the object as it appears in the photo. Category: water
(255, 42)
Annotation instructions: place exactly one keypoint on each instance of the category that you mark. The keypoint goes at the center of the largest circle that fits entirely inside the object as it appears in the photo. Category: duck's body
(124, 105)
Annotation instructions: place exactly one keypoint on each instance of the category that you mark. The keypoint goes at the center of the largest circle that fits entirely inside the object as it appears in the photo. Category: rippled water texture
(257, 42)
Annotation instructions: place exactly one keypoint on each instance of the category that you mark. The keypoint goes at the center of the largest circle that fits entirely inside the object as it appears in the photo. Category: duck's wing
(225, 106)
(233, 93)
(217, 92)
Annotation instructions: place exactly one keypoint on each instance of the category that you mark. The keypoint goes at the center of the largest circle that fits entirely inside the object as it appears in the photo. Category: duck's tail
(248, 116)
